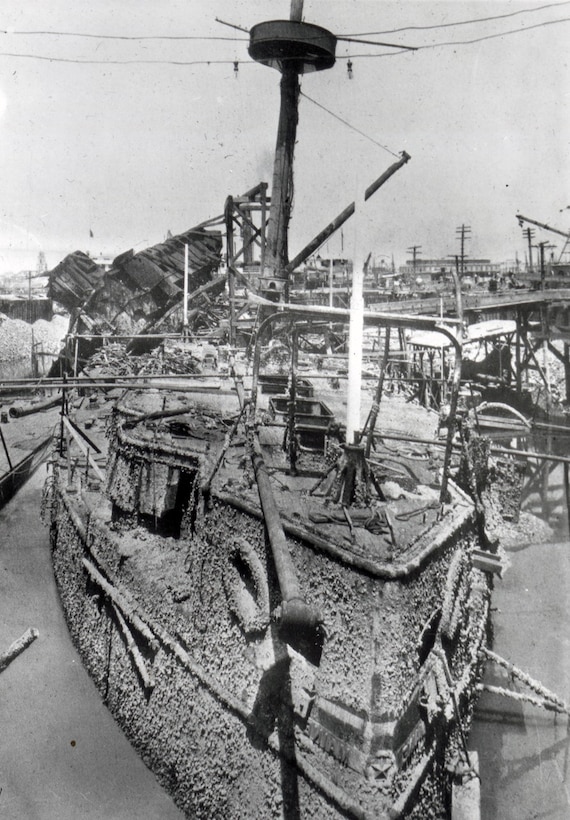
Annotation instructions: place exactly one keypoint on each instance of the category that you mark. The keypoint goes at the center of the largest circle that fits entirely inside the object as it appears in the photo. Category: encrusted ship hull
(350, 698)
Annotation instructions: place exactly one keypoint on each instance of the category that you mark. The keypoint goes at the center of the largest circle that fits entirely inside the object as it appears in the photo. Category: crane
(565, 234)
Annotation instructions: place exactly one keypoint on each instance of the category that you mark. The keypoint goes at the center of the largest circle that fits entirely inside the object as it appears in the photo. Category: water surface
(524, 750)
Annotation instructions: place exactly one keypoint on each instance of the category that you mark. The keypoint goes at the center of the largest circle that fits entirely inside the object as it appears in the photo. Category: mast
(293, 48)
(277, 251)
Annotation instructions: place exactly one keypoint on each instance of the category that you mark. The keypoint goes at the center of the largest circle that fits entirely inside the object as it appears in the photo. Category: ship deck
(396, 520)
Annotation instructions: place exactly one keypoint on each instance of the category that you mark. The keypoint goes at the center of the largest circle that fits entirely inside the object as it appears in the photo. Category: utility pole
(529, 233)
(541, 246)
(544, 320)
(462, 233)
(29, 306)
(415, 250)
(550, 247)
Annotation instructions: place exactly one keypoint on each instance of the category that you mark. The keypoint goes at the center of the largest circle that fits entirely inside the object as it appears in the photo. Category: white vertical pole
(355, 355)
(356, 327)
(331, 282)
(185, 307)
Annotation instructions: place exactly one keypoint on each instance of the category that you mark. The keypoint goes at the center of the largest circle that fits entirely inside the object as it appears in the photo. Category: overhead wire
(499, 34)
(481, 39)
(346, 36)
(459, 22)
(178, 37)
(134, 61)
(121, 36)
(343, 37)
(161, 61)
(401, 50)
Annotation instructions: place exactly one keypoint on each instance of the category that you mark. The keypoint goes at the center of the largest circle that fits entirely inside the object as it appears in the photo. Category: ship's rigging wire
(352, 127)
(374, 43)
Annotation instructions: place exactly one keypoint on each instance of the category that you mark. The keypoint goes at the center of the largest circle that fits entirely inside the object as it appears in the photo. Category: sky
(109, 141)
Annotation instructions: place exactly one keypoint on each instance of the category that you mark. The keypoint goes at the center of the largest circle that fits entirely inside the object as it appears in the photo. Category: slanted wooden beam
(18, 647)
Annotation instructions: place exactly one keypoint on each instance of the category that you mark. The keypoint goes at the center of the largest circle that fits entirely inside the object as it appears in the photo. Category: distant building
(433, 270)
(316, 273)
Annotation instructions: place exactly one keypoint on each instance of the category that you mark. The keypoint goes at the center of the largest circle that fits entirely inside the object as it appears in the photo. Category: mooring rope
(525, 678)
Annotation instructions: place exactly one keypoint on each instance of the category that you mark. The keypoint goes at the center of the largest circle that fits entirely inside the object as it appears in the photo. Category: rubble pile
(554, 369)
(17, 337)
(171, 361)
(48, 336)
(114, 360)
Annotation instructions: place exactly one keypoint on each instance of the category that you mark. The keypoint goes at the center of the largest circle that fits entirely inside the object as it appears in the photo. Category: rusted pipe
(20, 411)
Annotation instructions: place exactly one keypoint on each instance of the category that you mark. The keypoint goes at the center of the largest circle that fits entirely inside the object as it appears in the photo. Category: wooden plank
(84, 449)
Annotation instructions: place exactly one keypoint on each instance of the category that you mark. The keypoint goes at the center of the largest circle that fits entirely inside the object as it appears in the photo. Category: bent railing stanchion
(388, 320)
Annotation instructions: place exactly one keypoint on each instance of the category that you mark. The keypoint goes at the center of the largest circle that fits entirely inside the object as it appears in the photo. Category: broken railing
(294, 313)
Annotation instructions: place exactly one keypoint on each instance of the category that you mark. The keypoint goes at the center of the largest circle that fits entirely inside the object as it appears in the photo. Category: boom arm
(522, 219)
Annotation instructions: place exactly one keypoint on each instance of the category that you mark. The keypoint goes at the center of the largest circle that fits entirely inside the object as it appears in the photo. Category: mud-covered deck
(395, 520)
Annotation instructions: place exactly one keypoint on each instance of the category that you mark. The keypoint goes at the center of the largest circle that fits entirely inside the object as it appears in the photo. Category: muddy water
(524, 750)
(62, 756)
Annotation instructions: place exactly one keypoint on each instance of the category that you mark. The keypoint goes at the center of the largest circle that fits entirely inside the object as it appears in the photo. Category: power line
(82, 61)
(179, 37)
(120, 36)
(403, 50)
(500, 34)
(204, 37)
(467, 42)
(459, 22)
